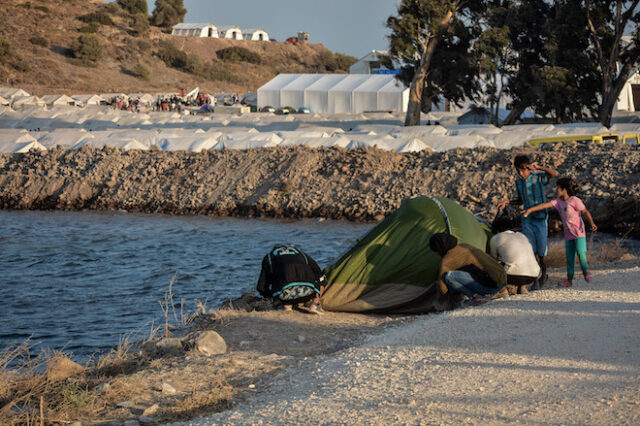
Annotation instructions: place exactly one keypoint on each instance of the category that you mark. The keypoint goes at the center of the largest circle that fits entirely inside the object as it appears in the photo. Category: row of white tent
(335, 93)
(383, 136)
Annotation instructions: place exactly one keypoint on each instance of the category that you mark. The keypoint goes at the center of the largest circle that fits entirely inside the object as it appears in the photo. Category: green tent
(392, 269)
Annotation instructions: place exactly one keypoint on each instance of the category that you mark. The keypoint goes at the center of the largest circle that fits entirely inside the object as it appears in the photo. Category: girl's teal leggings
(579, 247)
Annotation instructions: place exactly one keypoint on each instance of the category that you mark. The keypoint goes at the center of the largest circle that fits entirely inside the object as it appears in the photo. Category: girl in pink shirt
(570, 208)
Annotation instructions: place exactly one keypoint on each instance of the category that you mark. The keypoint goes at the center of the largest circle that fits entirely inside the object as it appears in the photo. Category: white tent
(199, 143)
(255, 34)
(230, 31)
(10, 93)
(64, 137)
(4, 102)
(292, 94)
(145, 98)
(25, 101)
(20, 147)
(269, 94)
(334, 93)
(15, 136)
(52, 100)
(85, 100)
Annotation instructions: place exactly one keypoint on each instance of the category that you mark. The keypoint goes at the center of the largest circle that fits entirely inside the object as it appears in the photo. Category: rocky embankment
(298, 182)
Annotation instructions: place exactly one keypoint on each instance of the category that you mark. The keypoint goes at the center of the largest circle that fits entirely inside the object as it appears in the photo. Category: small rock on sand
(168, 389)
(210, 343)
(151, 410)
(61, 368)
(170, 346)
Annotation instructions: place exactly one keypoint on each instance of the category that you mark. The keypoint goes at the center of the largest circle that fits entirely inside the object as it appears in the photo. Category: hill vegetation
(89, 46)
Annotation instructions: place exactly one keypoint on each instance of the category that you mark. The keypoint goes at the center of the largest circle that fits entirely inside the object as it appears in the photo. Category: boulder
(61, 368)
(210, 343)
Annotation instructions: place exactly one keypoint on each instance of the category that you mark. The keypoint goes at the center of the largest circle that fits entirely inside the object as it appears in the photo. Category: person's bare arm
(587, 215)
(551, 173)
(514, 202)
(539, 207)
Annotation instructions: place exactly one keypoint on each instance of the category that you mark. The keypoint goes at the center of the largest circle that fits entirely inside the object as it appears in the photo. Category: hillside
(41, 35)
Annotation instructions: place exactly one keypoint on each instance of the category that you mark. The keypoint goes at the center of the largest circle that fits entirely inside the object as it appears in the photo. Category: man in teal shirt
(531, 192)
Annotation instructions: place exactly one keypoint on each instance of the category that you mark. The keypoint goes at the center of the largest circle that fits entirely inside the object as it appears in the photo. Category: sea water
(79, 281)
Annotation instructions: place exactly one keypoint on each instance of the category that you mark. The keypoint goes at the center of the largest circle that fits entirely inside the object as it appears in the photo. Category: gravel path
(556, 356)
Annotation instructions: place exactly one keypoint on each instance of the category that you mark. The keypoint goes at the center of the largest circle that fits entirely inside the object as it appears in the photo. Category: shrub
(26, 5)
(171, 55)
(344, 62)
(327, 61)
(143, 45)
(44, 9)
(111, 8)
(39, 41)
(5, 50)
(99, 17)
(134, 6)
(238, 54)
(92, 28)
(141, 71)
(195, 65)
(88, 49)
(140, 24)
(218, 72)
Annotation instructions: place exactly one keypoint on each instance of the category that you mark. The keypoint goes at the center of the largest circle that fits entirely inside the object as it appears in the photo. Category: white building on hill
(195, 30)
(57, 100)
(10, 93)
(255, 34)
(231, 32)
(629, 99)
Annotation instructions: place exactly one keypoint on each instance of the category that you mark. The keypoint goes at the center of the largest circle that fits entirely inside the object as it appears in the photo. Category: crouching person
(515, 253)
(467, 270)
(291, 277)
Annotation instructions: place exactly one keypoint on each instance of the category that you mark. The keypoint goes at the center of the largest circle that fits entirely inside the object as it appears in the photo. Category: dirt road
(555, 356)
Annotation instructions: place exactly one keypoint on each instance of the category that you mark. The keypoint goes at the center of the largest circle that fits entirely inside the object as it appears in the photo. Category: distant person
(532, 192)
(467, 270)
(571, 209)
(513, 250)
(292, 277)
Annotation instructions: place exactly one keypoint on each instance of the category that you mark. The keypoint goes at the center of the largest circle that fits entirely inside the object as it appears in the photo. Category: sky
(354, 27)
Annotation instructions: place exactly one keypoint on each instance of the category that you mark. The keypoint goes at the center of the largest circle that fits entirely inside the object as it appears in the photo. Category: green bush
(111, 8)
(195, 65)
(140, 24)
(26, 5)
(327, 60)
(92, 28)
(88, 49)
(141, 71)
(44, 9)
(238, 54)
(167, 13)
(171, 55)
(5, 50)
(99, 17)
(134, 6)
(39, 41)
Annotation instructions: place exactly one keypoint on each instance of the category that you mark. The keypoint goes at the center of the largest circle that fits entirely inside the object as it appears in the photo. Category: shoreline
(281, 365)
(360, 185)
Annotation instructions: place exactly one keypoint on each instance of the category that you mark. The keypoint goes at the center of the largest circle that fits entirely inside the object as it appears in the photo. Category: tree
(168, 13)
(134, 6)
(617, 56)
(432, 38)
(88, 49)
(140, 24)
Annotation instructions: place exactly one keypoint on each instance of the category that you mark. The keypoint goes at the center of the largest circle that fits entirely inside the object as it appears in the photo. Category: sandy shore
(294, 182)
(556, 356)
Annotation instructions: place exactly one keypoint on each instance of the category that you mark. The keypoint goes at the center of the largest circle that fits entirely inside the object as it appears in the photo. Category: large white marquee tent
(335, 93)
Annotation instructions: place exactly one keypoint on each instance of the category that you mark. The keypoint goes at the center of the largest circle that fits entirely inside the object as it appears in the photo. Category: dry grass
(597, 252)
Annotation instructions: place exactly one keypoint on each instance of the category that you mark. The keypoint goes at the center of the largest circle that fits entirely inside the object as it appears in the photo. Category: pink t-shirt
(571, 219)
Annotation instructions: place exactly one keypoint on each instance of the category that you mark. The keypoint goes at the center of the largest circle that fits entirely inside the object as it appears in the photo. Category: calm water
(80, 280)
